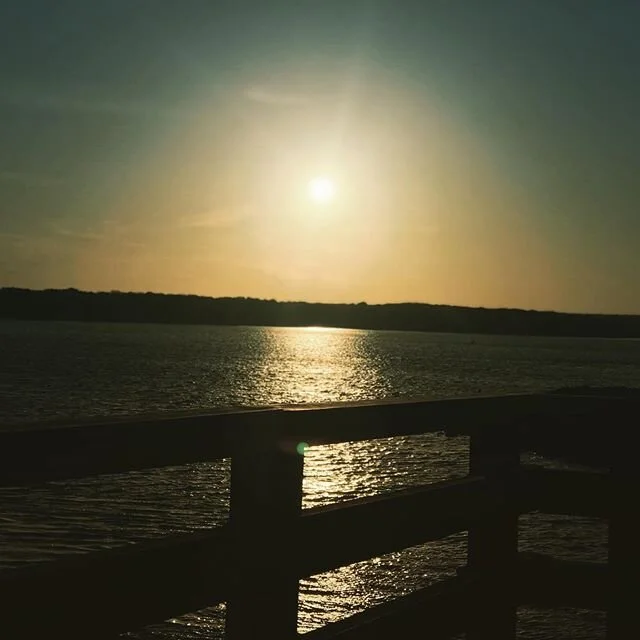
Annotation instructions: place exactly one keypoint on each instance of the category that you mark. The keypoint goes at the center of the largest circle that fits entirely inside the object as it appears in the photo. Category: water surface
(70, 370)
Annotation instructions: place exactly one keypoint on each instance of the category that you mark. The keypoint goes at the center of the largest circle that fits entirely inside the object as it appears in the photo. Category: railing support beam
(624, 555)
(266, 501)
(493, 544)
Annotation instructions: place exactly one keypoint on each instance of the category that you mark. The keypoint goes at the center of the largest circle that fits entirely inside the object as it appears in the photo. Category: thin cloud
(29, 179)
(71, 103)
(59, 242)
(10, 242)
(12, 236)
(30, 247)
(107, 233)
(7, 268)
(212, 220)
(274, 97)
(86, 236)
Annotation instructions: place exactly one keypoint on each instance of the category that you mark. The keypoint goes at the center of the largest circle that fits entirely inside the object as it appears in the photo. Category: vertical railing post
(266, 499)
(493, 543)
(623, 620)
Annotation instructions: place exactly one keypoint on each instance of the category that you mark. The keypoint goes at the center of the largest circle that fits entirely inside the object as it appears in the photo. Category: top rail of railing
(48, 452)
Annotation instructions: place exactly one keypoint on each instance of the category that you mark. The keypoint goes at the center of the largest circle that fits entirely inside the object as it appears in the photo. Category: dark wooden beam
(32, 455)
(103, 593)
(266, 503)
(623, 620)
(37, 454)
(338, 535)
(546, 582)
(493, 541)
(572, 493)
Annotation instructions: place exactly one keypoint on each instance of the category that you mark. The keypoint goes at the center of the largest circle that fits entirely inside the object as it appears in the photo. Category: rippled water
(69, 370)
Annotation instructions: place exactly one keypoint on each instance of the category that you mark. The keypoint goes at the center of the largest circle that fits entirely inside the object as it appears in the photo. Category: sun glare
(321, 190)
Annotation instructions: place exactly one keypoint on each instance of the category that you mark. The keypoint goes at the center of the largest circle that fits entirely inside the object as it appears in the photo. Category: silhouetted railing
(255, 561)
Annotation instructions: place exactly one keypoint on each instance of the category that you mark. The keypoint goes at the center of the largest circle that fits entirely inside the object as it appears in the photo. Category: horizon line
(294, 301)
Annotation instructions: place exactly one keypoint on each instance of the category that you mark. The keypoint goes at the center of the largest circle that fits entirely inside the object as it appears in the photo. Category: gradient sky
(486, 152)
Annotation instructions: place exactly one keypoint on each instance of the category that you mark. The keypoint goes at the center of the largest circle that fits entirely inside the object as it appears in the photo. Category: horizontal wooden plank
(547, 582)
(38, 453)
(103, 593)
(454, 416)
(559, 491)
(33, 454)
(435, 612)
(339, 535)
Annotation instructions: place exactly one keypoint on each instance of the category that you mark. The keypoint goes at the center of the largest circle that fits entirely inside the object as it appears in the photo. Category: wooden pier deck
(255, 561)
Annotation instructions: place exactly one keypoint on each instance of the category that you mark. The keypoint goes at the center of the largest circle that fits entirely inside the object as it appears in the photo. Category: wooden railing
(255, 561)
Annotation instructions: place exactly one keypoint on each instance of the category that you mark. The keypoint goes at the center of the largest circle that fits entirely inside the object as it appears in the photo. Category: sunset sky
(473, 152)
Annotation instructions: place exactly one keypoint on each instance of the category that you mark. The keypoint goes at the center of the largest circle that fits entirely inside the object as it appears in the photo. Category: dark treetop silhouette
(115, 306)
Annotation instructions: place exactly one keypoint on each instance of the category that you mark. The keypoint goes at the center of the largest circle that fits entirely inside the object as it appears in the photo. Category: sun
(321, 190)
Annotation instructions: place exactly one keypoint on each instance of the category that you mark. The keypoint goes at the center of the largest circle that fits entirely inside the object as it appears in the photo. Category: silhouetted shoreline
(115, 306)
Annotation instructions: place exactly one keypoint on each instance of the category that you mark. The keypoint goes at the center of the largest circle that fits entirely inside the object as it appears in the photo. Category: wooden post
(623, 620)
(266, 500)
(493, 544)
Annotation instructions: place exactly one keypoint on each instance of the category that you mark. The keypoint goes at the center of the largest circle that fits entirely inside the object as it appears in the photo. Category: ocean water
(72, 370)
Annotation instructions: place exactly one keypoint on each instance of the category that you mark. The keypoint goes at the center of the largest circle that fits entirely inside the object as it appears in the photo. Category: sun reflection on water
(317, 365)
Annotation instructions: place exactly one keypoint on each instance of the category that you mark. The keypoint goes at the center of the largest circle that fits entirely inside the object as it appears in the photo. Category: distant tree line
(116, 306)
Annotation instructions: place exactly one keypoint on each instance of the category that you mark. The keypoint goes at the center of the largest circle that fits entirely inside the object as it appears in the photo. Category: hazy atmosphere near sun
(478, 153)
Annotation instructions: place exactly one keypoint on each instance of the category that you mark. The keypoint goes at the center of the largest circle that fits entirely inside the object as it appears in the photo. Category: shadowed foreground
(255, 561)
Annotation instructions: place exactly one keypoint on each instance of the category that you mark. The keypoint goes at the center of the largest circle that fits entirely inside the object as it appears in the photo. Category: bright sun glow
(321, 190)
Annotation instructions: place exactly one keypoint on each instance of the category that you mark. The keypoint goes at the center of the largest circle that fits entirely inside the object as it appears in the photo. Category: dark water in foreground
(69, 370)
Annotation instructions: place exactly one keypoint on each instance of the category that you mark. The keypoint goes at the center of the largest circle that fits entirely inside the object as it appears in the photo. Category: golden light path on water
(314, 365)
